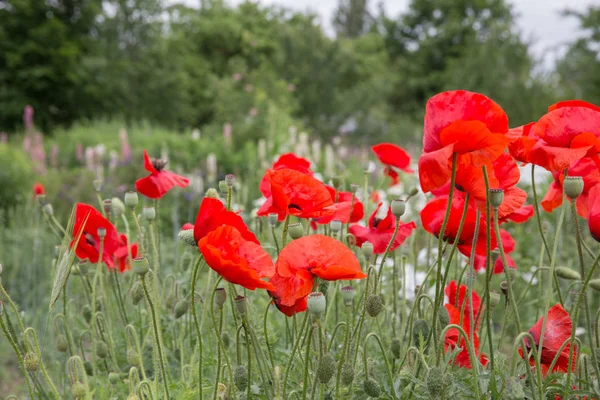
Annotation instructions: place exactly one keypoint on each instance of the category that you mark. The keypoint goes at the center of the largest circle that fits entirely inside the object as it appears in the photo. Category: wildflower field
(464, 269)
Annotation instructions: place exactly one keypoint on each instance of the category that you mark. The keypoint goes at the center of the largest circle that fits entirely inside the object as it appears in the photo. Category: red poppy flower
(159, 182)
(286, 161)
(294, 193)
(558, 330)
(526, 138)
(594, 213)
(38, 189)
(236, 259)
(303, 259)
(466, 123)
(346, 209)
(187, 226)
(122, 254)
(432, 218)
(380, 231)
(508, 244)
(392, 156)
(520, 215)
(392, 174)
(87, 222)
(213, 214)
(589, 172)
(568, 132)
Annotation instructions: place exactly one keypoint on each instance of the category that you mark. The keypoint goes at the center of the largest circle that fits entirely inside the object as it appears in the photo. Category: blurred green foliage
(16, 177)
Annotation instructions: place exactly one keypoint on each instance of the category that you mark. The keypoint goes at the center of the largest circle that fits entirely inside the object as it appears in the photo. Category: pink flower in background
(227, 128)
(79, 152)
(237, 76)
(248, 88)
(54, 156)
(3, 137)
(28, 118)
(291, 87)
(253, 112)
(125, 147)
(38, 154)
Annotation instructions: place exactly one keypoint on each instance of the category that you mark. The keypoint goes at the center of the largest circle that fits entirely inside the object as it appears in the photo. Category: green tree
(352, 18)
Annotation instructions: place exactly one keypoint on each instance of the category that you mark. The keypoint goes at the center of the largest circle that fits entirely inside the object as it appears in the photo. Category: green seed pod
(61, 343)
(316, 303)
(273, 217)
(420, 333)
(223, 187)
(212, 193)
(87, 313)
(443, 317)
(395, 348)
(367, 249)
(118, 207)
(230, 180)
(220, 297)
(568, 274)
(241, 305)
(101, 349)
(496, 197)
(133, 396)
(137, 292)
(335, 226)
(187, 236)
(31, 361)
(296, 231)
(435, 382)
(372, 388)
(78, 390)
(133, 358)
(347, 374)
(336, 182)
(573, 186)
(240, 377)
(226, 338)
(374, 305)
(326, 369)
(131, 199)
(398, 207)
(141, 266)
(348, 294)
(595, 284)
(149, 213)
(89, 371)
(513, 390)
(113, 378)
(181, 308)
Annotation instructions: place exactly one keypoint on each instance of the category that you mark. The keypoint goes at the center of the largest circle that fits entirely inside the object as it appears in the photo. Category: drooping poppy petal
(573, 103)
(347, 207)
(212, 214)
(391, 155)
(434, 171)
(159, 182)
(594, 213)
(122, 254)
(286, 161)
(520, 148)
(520, 215)
(392, 174)
(290, 293)
(87, 221)
(236, 259)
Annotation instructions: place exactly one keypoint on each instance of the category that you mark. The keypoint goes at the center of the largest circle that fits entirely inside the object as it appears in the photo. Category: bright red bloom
(589, 172)
(508, 244)
(594, 213)
(392, 174)
(187, 226)
(558, 330)
(568, 132)
(122, 253)
(287, 161)
(236, 259)
(87, 222)
(159, 182)
(432, 218)
(304, 259)
(526, 138)
(38, 189)
(213, 214)
(293, 193)
(346, 209)
(459, 311)
(380, 231)
(466, 123)
(392, 156)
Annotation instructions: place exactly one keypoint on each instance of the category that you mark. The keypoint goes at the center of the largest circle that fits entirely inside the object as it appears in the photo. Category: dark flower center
(159, 164)
(89, 239)
(376, 222)
(295, 206)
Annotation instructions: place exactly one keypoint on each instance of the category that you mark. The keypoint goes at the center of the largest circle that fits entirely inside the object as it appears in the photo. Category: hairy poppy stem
(297, 341)
(537, 212)
(286, 224)
(196, 325)
(15, 347)
(385, 360)
(307, 362)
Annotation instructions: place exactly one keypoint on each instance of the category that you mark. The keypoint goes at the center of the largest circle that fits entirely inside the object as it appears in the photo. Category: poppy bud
(395, 347)
(133, 358)
(326, 369)
(413, 192)
(118, 207)
(347, 374)
(61, 343)
(107, 205)
(131, 199)
(374, 305)
(336, 181)
(348, 294)
(496, 197)
(367, 249)
(240, 377)
(494, 299)
(567, 274)
(443, 317)
(31, 361)
(296, 230)
(226, 339)
(595, 284)
(133, 396)
(87, 313)
(335, 225)
(89, 371)
(494, 256)
(220, 297)
(573, 186)
(149, 213)
(230, 180)
(223, 187)
(187, 236)
(101, 232)
(48, 209)
(398, 207)
(181, 308)
(435, 382)
(354, 188)
(212, 194)
(420, 333)
(405, 376)
(0, 268)
(371, 388)
(113, 378)
(241, 305)
(171, 300)
(504, 288)
(316, 304)
(273, 219)
(323, 286)
(137, 293)
(141, 266)
(513, 389)
(78, 390)
(101, 349)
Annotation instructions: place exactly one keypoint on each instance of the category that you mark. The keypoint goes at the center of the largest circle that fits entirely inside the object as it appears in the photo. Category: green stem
(307, 361)
(537, 211)
(286, 224)
(297, 341)
(15, 347)
(197, 326)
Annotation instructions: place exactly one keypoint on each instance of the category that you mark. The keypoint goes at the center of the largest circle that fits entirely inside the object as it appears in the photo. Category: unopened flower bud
(443, 317)
(87, 313)
(504, 288)
(97, 185)
(273, 219)
(335, 225)
(296, 231)
(230, 180)
(367, 249)
(101, 232)
(348, 294)
(573, 186)
(226, 339)
(187, 236)
(398, 207)
(137, 292)
(494, 256)
(494, 299)
(374, 305)
(118, 207)
(48, 209)
(354, 188)
(347, 373)
(0, 268)
(61, 343)
(372, 388)
(149, 213)
(420, 332)
(31, 361)
(113, 378)
(212, 194)
(107, 205)
(141, 266)
(78, 390)
(496, 197)
(240, 377)
(336, 181)
(87, 366)
(413, 192)
(131, 199)
(395, 347)
(326, 368)
(567, 274)
(101, 349)
(220, 297)
(241, 305)
(223, 187)
(181, 308)
(316, 304)
(133, 358)
(595, 284)
(435, 382)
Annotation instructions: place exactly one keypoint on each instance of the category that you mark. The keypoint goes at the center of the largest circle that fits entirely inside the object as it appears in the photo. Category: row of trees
(183, 67)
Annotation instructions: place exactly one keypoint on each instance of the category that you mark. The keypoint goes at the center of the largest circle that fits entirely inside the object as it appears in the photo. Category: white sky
(539, 20)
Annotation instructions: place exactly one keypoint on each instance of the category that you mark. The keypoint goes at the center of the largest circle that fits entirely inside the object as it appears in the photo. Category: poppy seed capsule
(137, 293)
(230, 180)
(212, 194)
(395, 347)
(131, 199)
(371, 388)
(494, 256)
(567, 274)
(326, 369)
(149, 213)
(316, 303)
(374, 305)
(113, 378)
(220, 297)
(354, 188)
(348, 294)
(107, 205)
(335, 225)
(573, 186)
(240, 377)
(398, 207)
(296, 231)
(187, 236)
(496, 197)
(595, 284)
(347, 374)
(31, 361)
(273, 219)
(367, 249)
(118, 207)
(48, 209)
(504, 288)
(241, 305)
(141, 266)
(420, 332)
(101, 232)
(223, 187)
(435, 382)
(336, 181)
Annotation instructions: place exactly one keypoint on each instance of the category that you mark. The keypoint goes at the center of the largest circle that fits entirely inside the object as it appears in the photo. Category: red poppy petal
(558, 330)
(212, 214)
(573, 103)
(148, 163)
(474, 142)
(553, 198)
(292, 161)
(434, 169)
(393, 175)
(390, 154)
(520, 215)
(560, 126)
(514, 198)
(594, 213)
(289, 291)
(555, 158)
(89, 242)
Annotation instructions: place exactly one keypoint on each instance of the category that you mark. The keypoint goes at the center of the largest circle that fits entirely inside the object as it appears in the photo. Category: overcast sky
(538, 20)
